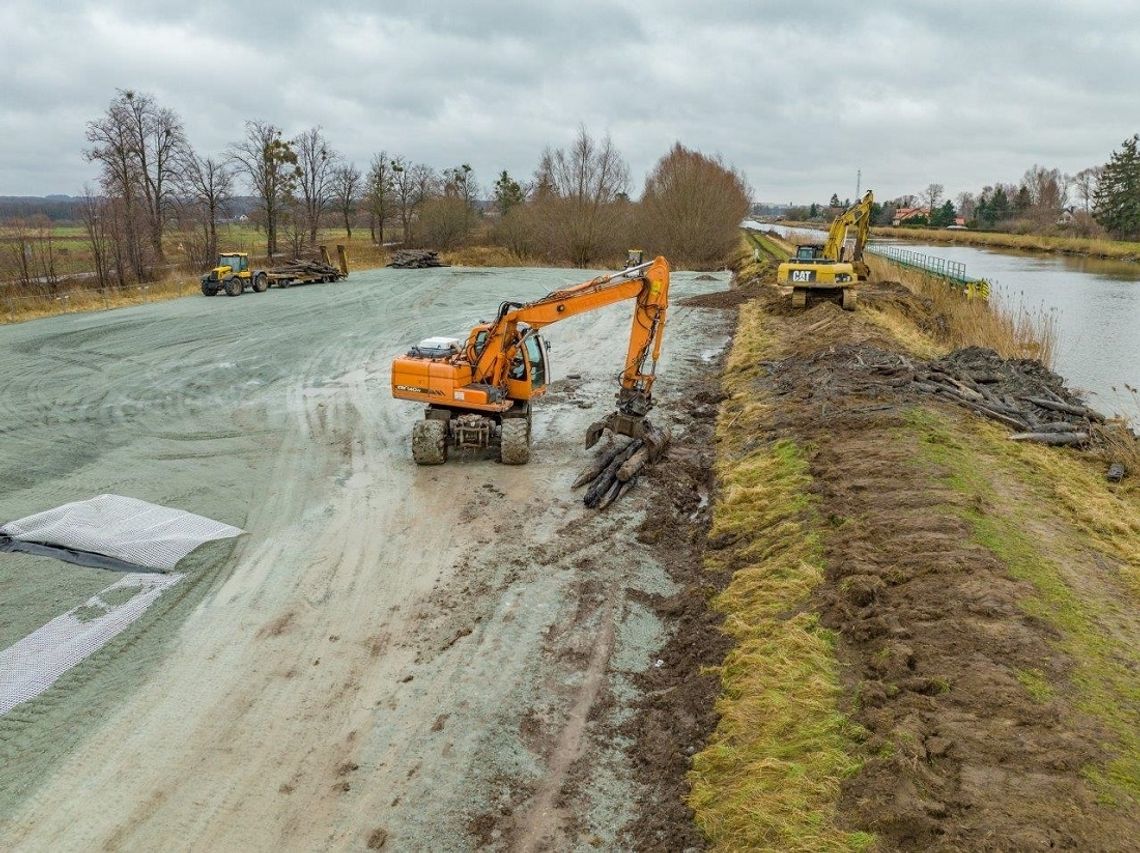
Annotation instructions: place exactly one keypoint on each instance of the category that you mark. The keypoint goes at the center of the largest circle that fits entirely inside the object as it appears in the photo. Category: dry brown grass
(1091, 246)
(1011, 330)
(487, 256)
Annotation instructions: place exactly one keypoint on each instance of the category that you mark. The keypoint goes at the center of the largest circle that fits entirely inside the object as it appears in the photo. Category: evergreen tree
(1024, 200)
(1117, 198)
(813, 211)
(834, 200)
(999, 207)
(508, 193)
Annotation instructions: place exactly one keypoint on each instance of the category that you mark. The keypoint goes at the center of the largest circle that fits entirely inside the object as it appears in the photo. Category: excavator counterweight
(479, 391)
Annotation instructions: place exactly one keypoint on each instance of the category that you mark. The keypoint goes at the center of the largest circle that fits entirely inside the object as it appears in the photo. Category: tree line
(158, 201)
(1097, 201)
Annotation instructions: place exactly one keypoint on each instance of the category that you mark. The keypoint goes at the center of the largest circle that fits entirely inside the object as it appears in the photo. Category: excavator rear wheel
(799, 298)
(429, 442)
(515, 446)
(850, 297)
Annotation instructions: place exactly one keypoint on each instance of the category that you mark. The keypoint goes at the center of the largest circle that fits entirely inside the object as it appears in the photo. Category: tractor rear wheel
(260, 283)
(429, 442)
(514, 448)
(234, 286)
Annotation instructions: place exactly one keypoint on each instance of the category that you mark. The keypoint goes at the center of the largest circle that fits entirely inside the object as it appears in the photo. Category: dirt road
(391, 656)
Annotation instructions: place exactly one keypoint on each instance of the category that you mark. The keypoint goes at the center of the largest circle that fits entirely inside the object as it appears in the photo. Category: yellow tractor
(828, 266)
(233, 274)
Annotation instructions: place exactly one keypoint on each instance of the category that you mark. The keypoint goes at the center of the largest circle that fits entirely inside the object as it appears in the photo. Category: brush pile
(1022, 394)
(415, 259)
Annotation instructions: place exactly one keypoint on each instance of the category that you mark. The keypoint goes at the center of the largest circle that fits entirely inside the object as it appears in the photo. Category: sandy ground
(390, 653)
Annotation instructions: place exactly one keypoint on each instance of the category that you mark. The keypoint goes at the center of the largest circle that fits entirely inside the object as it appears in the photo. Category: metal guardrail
(953, 272)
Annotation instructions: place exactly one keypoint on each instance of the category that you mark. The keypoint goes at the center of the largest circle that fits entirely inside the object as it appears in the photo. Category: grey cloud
(798, 96)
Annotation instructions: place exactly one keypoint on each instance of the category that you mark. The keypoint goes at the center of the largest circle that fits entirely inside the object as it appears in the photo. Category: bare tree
(270, 164)
(403, 192)
(378, 194)
(208, 187)
(346, 186)
(691, 208)
(966, 205)
(425, 184)
(1085, 182)
(317, 164)
(141, 147)
(97, 224)
(577, 195)
(931, 196)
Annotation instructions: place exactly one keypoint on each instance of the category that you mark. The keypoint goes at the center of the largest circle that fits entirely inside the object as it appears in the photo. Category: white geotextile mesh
(32, 665)
(127, 529)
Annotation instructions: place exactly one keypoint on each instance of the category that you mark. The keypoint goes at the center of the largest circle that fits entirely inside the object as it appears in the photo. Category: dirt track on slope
(391, 654)
(933, 631)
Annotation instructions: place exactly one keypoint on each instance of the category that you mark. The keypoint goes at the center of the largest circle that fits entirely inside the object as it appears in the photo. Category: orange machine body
(504, 363)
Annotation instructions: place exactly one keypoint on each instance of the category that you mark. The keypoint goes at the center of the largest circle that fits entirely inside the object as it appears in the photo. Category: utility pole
(858, 182)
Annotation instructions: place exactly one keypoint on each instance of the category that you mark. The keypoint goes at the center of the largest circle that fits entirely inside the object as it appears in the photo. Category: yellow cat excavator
(827, 266)
(478, 392)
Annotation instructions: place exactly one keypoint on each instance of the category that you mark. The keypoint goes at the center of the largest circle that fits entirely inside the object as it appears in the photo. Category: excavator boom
(479, 391)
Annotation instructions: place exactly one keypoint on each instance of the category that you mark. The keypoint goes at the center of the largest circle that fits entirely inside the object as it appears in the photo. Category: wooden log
(1067, 408)
(606, 479)
(1014, 423)
(612, 495)
(597, 466)
(1052, 438)
(632, 465)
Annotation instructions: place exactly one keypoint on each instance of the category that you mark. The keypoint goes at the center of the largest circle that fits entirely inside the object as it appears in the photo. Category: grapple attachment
(637, 427)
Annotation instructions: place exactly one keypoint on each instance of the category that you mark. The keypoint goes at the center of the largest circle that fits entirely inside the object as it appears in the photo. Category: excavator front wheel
(850, 297)
(429, 442)
(514, 448)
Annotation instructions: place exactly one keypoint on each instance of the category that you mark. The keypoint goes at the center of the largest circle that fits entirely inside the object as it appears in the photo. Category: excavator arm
(647, 284)
(858, 215)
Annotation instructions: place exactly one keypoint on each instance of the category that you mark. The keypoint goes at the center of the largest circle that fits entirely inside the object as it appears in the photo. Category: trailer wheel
(283, 283)
(429, 442)
(234, 286)
(515, 446)
(209, 290)
(260, 283)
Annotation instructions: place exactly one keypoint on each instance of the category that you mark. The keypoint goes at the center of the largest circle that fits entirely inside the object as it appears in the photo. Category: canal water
(1095, 303)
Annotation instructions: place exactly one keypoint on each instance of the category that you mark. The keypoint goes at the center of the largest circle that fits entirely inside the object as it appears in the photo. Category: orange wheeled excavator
(479, 392)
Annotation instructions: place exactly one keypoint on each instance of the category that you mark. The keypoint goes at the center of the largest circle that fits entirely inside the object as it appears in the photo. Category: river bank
(908, 588)
(1092, 247)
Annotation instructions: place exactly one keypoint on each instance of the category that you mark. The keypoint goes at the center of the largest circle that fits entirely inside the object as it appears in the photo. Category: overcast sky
(797, 95)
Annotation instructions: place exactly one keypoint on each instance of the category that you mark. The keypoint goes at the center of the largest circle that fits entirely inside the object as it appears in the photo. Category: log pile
(615, 470)
(1022, 394)
(304, 268)
(415, 259)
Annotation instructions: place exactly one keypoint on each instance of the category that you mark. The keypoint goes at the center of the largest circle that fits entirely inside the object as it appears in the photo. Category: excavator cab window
(536, 355)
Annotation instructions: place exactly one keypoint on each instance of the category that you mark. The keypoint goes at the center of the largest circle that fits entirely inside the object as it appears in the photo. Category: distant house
(905, 213)
(1066, 217)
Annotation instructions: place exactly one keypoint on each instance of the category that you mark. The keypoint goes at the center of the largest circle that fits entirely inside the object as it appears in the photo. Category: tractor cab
(237, 262)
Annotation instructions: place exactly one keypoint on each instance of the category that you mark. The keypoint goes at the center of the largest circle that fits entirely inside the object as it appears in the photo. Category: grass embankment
(1044, 512)
(1094, 247)
(786, 749)
(770, 776)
